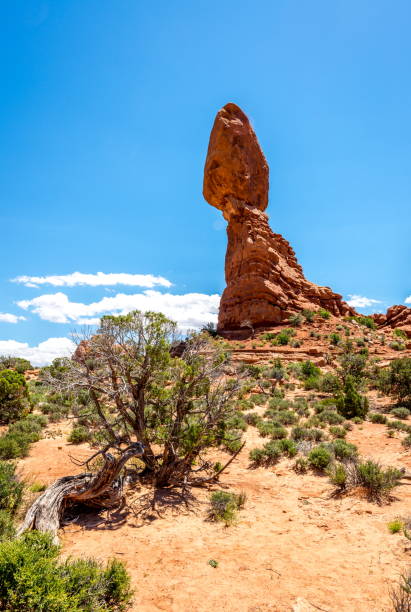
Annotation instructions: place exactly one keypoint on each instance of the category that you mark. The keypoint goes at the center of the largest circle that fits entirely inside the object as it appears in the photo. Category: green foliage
(319, 457)
(377, 417)
(224, 506)
(288, 447)
(367, 322)
(401, 596)
(324, 314)
(301, 465)
(335, 338)
(329, 383)
(31, 578)
(272, 451)
(378, 481)
(7, 530)
(342, 450)
(16, 442)
(213, 563)
(401, 412)
(232, 440)
(406, 442)
(79, 434)
(11, 489)
(337, 432)
(400, 333)
(15, 363)
(397, 346)
(337, 473)
(14, 398)
(283, 337)
(309, 369)
(308, 315)
(295, 320)
(350, 403)
(397, 380)
(332, 417)
(395, 526)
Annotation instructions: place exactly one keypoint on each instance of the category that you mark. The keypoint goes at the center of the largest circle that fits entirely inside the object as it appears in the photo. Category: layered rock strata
(265, 283)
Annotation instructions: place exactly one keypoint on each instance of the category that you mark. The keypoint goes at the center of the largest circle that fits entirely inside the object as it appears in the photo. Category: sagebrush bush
(79, 434)
(401, 412)
(324, 314)
(378, 481)
(7, 530)
(350, 403)
(308, 315)
(343, 450)
(377, 417)
(401, 596)
(337, 432)
(224, 506)
(319, 457)
(337, 473)
(332, 417)
(31, 579)
(295, 320)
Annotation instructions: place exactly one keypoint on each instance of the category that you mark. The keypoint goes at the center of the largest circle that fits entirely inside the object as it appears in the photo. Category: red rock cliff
(265, 283)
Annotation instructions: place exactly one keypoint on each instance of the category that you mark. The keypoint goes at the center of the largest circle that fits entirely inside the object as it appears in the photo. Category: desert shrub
(258, 399)
(224, 506)
(337, 473)
(288, 447)
(295, 320)
(279, 433)
(252, 418)
(350, 403)
(401, 412)
(337, 432)
(335, 338)
(15, 445)
(287, 417)
(11, 489)
(14, 398)
(343, 450)
(15, 363)
(357, 420)
(270, 453)
(406, 442)
(319, 457)
(277, 403)
(329, 383)
(301, 465)
(283, 337)
(7, 530)
(308, 369)
(306, 433)
(266, 428)
(308, 315)
(79, 434)
(324, 314)
(257, 456)
(395, 526)
(399, 426)
(367, 322)
(397, 380)
(236, 421)
(397, 346)
(378, 481)
(232, 440)
(400, 333)
(31, 427)
(332, 417)
(377, 417)
(401, 596)
(312, 382)
(31, 578)
(295, 343)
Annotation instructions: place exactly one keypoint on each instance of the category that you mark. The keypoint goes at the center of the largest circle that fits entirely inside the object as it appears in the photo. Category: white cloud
(94, 280)
(359, 301)
(190, 310)
(6, 317)
(39, 355)
(408, 300)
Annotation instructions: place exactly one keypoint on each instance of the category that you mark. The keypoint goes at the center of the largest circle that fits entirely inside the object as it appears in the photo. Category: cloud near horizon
(39, 355)
(408, 300)
(360, 301)
(100, 279)
(190, 310)
(7, 317)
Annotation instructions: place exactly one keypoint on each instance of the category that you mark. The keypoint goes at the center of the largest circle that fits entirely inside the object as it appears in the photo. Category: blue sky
(106, 109)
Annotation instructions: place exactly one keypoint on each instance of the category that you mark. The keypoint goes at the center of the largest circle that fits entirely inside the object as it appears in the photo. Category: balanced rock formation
(396, 317)
(265, 283)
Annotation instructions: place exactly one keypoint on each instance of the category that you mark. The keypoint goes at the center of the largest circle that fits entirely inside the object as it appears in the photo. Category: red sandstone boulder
(397, 317)
(265, 283)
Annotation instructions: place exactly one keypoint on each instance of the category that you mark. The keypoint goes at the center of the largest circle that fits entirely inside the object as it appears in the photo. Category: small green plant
(213, 563)
(350, 403)
(79, 434)
(377, 417)
(400, 333)
(37, 487)
(378, 481)
(295, 320)
(337, 473)
(343, 450)
(337, 432)
(308, 315)
(401, 412)
(367, 322)
(406, 442)
(224, 506)
(324, 314)
(301, 465)
(395, 526)
(11, 489)
(335, 339)
(319, 458)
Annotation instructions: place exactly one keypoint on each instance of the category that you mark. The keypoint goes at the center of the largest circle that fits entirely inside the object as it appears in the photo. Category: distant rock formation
(398, 317)
(265, 283)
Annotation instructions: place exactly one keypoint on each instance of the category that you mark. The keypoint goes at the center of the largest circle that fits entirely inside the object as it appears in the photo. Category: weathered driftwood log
(102, 489)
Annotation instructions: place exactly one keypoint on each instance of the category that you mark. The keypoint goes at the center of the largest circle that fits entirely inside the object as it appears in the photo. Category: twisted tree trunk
(103, 489)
